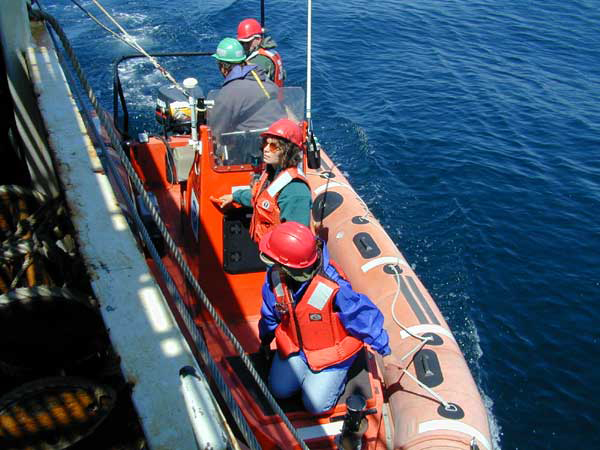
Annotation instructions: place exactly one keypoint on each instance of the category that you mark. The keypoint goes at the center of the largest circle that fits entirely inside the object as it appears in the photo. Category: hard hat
(248, 29)
(290, 244)
(230, 50)
(286, 129)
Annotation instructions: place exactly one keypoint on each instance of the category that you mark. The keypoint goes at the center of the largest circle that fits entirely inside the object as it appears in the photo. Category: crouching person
(318, 321)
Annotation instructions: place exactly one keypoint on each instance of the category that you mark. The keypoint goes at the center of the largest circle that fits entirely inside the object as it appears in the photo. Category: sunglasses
(271, 147)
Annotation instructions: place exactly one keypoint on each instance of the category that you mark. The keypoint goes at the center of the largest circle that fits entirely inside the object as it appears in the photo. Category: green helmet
(230, 50)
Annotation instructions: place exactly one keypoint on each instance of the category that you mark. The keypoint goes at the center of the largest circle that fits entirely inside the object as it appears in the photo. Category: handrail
(118, 90)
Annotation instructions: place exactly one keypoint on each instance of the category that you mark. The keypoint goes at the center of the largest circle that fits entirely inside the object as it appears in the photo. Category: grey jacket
(242, 104)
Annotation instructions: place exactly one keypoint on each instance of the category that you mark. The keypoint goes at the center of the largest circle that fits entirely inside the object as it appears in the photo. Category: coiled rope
(31, 238)
(175, 252)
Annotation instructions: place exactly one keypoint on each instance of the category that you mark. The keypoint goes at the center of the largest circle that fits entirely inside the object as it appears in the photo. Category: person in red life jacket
(260, 50)
(318, 321)
(282, 193)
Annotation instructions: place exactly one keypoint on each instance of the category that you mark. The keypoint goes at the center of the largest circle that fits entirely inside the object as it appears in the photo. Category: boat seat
(358, 382)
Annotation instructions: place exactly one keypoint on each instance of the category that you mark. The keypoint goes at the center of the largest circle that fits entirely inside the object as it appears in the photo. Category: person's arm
(241, 196)
(268, 317)
(295, 202)
(361, 318)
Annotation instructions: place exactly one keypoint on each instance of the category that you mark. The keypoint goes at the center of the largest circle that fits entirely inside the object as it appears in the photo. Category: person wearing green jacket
(282, 193)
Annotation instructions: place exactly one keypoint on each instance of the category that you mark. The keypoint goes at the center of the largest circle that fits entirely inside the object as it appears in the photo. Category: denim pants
(320, 390)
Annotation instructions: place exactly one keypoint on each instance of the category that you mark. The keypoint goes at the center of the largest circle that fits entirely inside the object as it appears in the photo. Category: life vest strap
(260, 83)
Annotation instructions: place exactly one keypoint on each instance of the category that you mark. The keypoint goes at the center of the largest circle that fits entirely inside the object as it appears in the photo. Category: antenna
(309, 65)
(312, 149)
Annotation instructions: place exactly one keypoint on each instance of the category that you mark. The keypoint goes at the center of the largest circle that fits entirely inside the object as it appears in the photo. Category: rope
(32, 241)
(419, 346)
(131, 41)
(176, 253)
(367, 211)
(26, 296)
(438, 397)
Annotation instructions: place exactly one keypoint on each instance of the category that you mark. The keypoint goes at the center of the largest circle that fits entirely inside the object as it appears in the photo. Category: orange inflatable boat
(430, 402)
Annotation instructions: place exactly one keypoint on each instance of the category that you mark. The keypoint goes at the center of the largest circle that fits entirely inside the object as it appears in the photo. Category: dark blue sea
(471, 128)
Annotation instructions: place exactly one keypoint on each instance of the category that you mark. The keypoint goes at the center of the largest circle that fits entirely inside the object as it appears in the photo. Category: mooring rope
(423, 341)
(175, 252)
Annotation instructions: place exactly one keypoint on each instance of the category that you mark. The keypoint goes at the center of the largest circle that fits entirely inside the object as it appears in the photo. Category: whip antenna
(313, 154)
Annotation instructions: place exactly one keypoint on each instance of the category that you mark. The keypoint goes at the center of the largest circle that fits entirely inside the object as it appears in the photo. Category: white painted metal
(190, 84)
(316, 431)
(205, 415)
(140, 323)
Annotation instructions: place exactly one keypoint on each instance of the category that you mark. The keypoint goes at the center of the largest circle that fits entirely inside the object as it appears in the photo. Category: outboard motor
(173, 109)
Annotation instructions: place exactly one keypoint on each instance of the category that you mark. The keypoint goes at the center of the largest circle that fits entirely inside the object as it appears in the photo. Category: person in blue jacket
(318, 321)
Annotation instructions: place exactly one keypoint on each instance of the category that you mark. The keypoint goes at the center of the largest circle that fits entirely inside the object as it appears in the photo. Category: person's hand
(223, 200)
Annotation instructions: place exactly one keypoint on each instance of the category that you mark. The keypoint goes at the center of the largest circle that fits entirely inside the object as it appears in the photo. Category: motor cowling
(173, 109)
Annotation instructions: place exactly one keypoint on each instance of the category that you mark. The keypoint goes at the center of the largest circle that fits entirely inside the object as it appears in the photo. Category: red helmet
(290, 244)
(286, 129)
(248, 29)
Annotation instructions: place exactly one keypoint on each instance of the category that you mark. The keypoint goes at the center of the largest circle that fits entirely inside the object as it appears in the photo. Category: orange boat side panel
(150, 160)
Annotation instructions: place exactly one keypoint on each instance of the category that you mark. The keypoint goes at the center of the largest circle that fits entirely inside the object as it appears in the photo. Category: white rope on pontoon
(423, 340)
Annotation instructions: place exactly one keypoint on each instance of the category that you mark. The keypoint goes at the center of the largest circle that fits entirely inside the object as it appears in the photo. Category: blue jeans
(320, 390)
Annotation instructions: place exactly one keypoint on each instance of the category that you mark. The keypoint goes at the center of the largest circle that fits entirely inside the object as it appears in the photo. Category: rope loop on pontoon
(423, 340)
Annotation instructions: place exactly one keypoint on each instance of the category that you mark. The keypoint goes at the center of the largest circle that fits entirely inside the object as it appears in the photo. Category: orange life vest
(275, 59)
(312, 325)
(266, 212)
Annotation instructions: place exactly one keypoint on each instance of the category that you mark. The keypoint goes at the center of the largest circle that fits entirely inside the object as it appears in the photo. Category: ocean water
(472, 131)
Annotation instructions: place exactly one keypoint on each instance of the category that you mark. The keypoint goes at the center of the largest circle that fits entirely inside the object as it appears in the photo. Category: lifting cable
(116, 144)
(128, 39)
